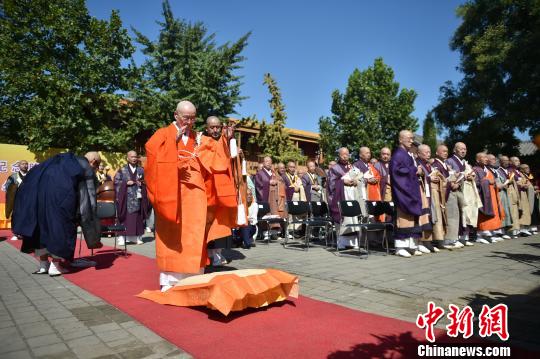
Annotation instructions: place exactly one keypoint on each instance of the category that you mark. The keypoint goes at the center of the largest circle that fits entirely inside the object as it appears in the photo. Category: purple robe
(455, 163)
(289, 191)
(335, 189)
(483, 185)
(385, 176)
(132, 211)
(306, 182)
(262, 185)
(444, 171)
(405, 188)
(362, 166)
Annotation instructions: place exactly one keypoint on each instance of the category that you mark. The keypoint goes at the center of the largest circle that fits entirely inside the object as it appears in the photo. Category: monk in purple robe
(404, 172)
(382, 166)
(344, 181)
(132, 202)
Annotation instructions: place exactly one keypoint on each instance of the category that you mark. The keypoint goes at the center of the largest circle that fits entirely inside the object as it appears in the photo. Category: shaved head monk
(190, 187)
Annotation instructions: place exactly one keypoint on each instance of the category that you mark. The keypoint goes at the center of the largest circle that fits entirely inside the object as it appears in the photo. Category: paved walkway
(44, 317)
(50, 317)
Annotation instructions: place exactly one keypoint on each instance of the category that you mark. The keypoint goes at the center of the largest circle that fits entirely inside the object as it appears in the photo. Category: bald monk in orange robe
(372, 177)
(181, 166)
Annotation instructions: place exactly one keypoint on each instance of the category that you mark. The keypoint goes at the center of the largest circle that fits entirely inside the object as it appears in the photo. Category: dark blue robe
(54, 197)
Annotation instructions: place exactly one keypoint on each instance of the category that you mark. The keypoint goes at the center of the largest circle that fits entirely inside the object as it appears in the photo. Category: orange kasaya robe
(374, 189)
(486, 223)
(188, 184)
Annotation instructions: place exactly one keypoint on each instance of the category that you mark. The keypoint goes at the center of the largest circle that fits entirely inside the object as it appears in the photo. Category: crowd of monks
(441, 202)
(200, 190)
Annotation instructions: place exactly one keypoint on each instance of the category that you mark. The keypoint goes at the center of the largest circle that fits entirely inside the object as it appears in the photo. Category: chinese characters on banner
(491, 321)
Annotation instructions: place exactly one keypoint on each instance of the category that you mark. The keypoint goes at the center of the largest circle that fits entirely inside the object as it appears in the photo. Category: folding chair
(352, 209)
(263, 210)
(377, 208)
(320, 218)
(108, 210)
(297, 209)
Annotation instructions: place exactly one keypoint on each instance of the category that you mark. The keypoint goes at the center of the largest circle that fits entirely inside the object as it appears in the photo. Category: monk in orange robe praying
(189, 180)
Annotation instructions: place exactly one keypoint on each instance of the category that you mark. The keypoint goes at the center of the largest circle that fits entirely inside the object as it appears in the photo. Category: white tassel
(241, 217)
(233, 148)
(244, 168)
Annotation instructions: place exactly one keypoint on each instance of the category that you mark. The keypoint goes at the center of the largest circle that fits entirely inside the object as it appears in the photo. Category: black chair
(320, 218)
(300, 210)
(377, 208)
(106, 210)
(352, 209)
(263, 210)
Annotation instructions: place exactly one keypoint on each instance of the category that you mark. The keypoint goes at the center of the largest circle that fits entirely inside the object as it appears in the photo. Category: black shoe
(488, 239)
(428, 245)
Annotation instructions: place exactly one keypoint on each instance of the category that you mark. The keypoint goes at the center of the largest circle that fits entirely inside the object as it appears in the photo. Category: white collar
(268, 171)
(133, 168)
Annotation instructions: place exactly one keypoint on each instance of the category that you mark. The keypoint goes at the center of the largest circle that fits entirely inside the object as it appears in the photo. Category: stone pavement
(505, 272)
(44, 317)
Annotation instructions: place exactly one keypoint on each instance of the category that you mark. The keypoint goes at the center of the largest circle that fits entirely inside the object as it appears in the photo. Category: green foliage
(499, 43)
(60, 76)
(185, 63)
(273, 139)
(370, 113)
(429, 132)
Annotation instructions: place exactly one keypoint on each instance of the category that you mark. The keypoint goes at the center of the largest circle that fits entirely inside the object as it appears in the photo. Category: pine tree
(185, 63)
(273, 139)
(430, 132)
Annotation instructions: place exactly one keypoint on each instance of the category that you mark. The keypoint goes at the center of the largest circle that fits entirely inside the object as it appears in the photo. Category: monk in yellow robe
(180, 164)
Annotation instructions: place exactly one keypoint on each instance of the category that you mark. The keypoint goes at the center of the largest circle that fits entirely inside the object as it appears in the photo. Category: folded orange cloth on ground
(229, 291)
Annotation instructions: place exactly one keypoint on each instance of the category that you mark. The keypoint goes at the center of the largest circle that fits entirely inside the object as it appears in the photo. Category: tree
(498, 41)
(60, 76)
(273, 139)
(370, 113)
(429, 132)
(185, 63)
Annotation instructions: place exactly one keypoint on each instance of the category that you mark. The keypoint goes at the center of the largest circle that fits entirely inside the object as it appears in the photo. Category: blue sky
(311, 47)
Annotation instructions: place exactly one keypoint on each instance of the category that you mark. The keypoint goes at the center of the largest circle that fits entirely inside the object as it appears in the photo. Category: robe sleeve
(161, 175)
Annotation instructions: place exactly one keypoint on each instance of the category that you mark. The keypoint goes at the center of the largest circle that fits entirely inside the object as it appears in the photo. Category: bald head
(343, 154)
(132, 158)
(94, 159)
(281, 168)
(311, 166)
(365, 154)
(185, 114)
(442, 152)
(213, 127)
(406, 139)
(460, 149)
(267, 163)
(424, 152)
(492, 160)
(505, 161)
(515, 161)
(23, 166)
(481, 158)
(385, 154)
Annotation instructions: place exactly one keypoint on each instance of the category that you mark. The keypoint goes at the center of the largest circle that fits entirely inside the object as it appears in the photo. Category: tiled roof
(527, 148)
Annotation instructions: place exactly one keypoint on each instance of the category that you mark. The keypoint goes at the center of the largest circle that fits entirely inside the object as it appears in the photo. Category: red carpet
(305, 328)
